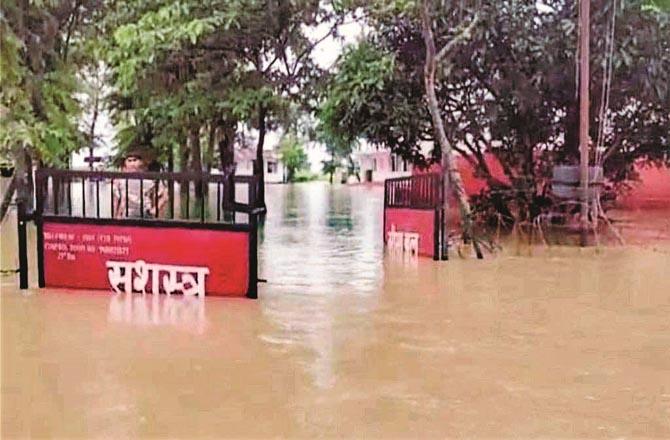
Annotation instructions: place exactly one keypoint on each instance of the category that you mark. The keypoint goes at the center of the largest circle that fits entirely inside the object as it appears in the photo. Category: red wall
(652, 191)
(75, 254)
(412, 220)
(473, 184)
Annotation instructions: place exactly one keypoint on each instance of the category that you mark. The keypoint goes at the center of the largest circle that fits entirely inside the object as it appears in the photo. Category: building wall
(377, 166)
(651, 191)
(272, 166)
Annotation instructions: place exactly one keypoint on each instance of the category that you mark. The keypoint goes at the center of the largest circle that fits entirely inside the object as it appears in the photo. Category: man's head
(134, 162)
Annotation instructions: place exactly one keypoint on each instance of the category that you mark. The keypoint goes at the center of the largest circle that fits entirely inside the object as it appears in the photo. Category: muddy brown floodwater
(346, 343)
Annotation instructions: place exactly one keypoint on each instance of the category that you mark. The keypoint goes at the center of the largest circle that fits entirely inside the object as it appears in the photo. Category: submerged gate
(189, 235)
(414, 215)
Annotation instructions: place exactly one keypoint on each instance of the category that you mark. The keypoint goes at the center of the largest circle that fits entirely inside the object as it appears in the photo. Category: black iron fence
(163, 199)
(185, 196)
(424, 191)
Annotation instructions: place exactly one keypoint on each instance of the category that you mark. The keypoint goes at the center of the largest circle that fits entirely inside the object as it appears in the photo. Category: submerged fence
(415, 216)
(423, 191)
(196, 232)
(157, 195)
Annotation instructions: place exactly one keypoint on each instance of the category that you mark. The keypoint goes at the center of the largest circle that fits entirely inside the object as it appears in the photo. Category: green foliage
(514, 82)
(293, 156)
(305, 176)
(38, 110)
(657, 5)
(329, 167)
(371, 97)
(510, 88)
(215, 63)
(170, 27)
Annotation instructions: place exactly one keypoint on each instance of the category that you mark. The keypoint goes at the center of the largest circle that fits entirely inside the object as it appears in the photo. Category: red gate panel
(80, 255)
(414, 221)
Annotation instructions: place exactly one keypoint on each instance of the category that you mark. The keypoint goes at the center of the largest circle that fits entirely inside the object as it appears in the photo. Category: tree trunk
(571, 152)
(211, 145)
(7, 198)
(452, 176)
(353, 167)
(259, 168)
(196, 166)
(24, 182)
(226, 146)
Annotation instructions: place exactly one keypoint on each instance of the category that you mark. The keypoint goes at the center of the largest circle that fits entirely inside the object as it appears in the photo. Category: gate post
(386, 198)
(436, 234)
(37, 217)
(23, 243)
(445, 211)
(252, 290)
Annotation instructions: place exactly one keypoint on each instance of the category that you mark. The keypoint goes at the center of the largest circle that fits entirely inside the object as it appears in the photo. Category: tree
(41, 47)
(365, 71)
(215, 64)
(371, 97)
(511, 91)
(434, 59)
(293, 156)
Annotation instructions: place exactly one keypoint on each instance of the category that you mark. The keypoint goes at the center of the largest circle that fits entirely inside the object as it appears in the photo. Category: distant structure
(377, 165)
(273, 167)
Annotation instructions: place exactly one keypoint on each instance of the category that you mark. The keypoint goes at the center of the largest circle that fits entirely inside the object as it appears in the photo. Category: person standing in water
(138, 205)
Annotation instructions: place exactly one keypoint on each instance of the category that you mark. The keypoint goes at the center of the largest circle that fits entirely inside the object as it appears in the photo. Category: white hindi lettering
(128, 276)
(399, 241)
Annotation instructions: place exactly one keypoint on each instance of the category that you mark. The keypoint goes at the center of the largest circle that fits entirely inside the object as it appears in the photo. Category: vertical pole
(57, 185)
(83, 196)
(141, 198)
(171, 197)
(97, 197)
(252, 290)
(386, 195)
(170, 182)
(218, 201)
(584, 28)
(203, 184)
(156, 189)
(436, 234)
(188, 199)
(40, 197)
(111, 198)
(69, 196)
(23, 243)
(445, 210)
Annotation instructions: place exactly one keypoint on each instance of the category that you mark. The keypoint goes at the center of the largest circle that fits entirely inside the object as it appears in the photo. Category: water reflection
(318, 238)
(182, 312)
(321, 252)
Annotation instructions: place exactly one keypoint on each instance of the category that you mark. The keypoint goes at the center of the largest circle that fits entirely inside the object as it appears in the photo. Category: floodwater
(345, 342)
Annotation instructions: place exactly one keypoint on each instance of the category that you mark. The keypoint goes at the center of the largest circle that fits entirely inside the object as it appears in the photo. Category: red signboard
(411, 224)
(146, 259)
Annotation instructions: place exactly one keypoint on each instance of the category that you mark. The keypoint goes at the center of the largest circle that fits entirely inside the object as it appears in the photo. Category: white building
(379, 164)
(274, 169)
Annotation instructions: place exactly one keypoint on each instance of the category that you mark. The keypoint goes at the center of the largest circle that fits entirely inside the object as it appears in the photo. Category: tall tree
(42, 46)
(441, 58)
(221, 62)
(511, 92)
